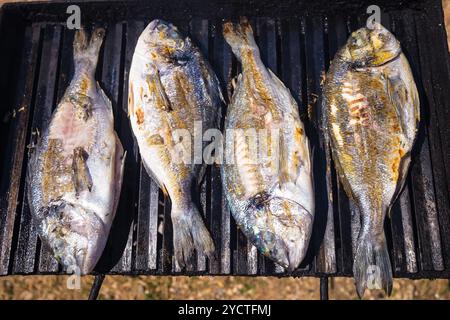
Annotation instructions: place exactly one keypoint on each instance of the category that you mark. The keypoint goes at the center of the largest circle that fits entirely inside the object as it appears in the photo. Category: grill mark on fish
(357, 103)
(248, 170)
(56, 172)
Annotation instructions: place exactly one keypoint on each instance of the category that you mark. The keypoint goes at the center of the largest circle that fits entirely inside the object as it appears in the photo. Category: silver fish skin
(371, 116)
(75, 173)
(172, 87)
(270, 193)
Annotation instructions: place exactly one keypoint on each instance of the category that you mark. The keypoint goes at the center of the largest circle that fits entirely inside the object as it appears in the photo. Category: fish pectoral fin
(157, 91)
(81, 176)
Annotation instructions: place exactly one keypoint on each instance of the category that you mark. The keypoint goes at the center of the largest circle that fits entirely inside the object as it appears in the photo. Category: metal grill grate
(36, 67)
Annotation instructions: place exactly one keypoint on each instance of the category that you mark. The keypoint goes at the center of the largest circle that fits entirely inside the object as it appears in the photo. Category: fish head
(75, 235)
(280, 228)
(164, 41)
(371, 47)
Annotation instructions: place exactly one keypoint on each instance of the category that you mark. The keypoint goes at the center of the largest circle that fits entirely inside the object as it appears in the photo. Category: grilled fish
(270, 191)
(75, 172)
(371, 116)
(173, 89)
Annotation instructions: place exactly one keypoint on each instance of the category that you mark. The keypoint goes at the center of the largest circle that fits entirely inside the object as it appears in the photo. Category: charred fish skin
(371, 117)
(171, 88)
(75, 172)
(270, 194)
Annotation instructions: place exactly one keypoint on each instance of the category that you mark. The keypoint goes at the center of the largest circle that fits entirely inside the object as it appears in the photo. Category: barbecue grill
(297, 40)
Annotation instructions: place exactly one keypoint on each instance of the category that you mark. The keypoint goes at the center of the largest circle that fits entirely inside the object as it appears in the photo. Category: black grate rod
(324, 288)
(96, 286)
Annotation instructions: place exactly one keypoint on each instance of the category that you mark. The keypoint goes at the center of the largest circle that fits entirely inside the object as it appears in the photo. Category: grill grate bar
(29, 247)
(221, 63)
(131, 171)
(50, 58)
(33, 35)
(315, 69)
(429, 158)
(199, 32)
(440, 80)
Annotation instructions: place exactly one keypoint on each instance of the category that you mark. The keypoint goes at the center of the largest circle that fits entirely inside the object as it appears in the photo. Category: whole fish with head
(270, 191)
(173, 90)
(75, 173)
(371, 113)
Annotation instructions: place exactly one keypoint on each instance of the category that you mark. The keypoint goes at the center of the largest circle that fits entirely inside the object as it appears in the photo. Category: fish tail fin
(372, 266)
(189, 233)
(86, 51)
(240, 37)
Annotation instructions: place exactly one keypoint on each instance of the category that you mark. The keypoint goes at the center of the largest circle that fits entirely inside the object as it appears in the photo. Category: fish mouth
(159, 25)
(155, 23)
